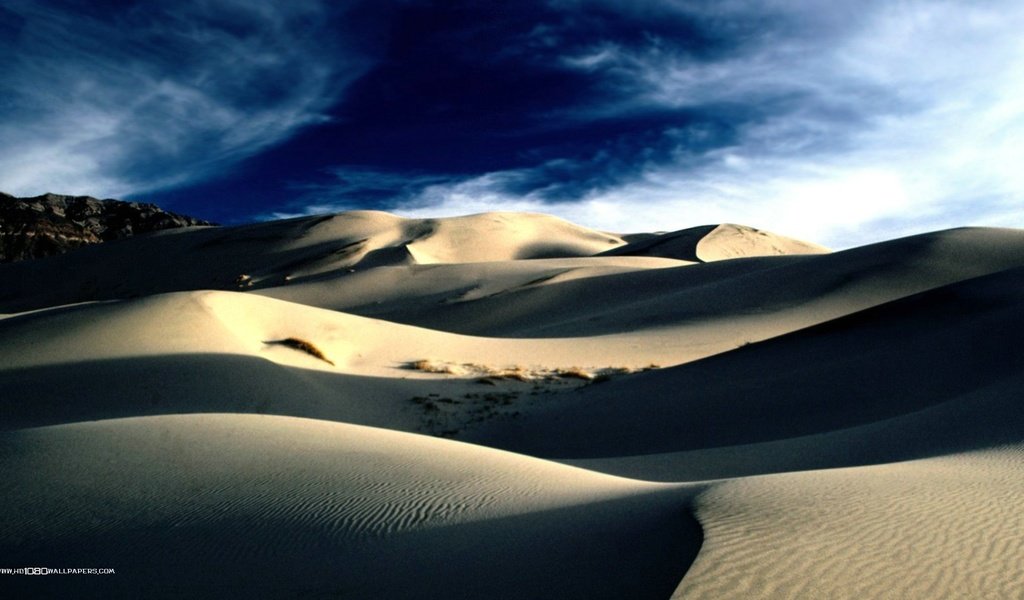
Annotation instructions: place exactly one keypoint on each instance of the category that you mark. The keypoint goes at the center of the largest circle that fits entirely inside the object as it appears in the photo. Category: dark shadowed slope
(181, 506)
(905, 356)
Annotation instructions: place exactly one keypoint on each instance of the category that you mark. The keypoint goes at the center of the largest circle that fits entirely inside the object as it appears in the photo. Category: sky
(836, 122)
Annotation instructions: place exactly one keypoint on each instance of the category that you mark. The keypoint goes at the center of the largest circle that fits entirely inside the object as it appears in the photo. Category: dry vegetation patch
(443, 416)
(433, 366)
(303, 346)
(493, 374)
(448, 416)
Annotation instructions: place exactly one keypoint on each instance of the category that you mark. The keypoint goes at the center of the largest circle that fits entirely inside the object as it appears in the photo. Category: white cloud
(889, 120)
(157, 95)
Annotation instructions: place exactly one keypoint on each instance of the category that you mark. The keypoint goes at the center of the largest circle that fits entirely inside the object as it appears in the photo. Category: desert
(511, 300)
(509, 405)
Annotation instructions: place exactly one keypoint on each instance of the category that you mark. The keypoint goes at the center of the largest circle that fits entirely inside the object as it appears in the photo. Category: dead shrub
(303, 346)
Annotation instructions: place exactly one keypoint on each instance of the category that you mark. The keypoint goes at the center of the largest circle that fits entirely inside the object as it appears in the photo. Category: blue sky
(841, 123)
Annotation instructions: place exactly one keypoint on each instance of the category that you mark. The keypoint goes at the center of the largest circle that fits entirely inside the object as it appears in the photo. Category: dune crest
(710, 243)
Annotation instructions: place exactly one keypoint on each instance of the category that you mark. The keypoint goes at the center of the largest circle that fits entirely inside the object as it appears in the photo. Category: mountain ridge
(51, 224)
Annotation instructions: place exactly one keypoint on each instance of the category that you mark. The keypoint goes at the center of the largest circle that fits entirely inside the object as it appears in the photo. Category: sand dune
(256, 411)
(317, 261)
(984, 418)
(716, 242)
(272, 506)
(872, 362)
(247, 324)
(947, 527)
(215, 352)
(270, 254)
(740, 300)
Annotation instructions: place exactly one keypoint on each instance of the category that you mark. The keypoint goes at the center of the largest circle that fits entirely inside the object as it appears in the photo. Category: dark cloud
(461, 89)
(467, 88)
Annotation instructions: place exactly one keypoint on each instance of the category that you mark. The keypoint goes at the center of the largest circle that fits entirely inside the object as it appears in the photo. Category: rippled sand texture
(284, 507)
(948, 527)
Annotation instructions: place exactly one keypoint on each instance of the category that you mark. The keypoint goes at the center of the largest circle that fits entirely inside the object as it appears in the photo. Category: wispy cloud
(162, 93)
(840, 123)
(850, 126)
(354, 187)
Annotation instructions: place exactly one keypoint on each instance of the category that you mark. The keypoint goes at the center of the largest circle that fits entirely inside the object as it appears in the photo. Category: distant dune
(508, 405)
(716, 242)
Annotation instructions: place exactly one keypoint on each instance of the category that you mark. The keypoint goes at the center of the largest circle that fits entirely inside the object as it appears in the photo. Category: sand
(946, 527)
(215, 505)
(512, 406)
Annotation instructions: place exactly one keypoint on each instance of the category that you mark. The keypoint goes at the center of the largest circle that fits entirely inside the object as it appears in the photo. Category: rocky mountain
(54, 224)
